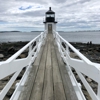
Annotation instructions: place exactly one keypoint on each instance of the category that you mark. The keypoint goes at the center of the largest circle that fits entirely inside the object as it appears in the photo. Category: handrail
(81, 66)
(14, 66)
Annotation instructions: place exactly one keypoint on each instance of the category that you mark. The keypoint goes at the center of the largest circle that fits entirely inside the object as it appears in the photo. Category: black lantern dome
(50, 16)
(50, 11)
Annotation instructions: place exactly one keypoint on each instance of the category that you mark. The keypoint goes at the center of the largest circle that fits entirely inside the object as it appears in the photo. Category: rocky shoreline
(10, 48)
(91, 51)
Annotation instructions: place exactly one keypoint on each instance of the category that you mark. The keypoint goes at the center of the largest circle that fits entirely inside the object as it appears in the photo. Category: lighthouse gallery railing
(81, 66)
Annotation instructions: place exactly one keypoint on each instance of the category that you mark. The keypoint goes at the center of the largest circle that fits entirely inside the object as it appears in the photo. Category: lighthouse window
(50, 15)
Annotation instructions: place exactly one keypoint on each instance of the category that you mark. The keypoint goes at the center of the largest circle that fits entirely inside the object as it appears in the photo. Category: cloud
(70, 14)
(38, 13)
(25, 8)
(3, 21)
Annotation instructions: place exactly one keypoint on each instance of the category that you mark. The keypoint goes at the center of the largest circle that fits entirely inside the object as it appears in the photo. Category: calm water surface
(69, 36)
(17, 36)
(82, 37)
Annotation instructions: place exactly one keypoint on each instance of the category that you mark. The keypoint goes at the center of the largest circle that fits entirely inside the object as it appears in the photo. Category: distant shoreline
(58, 31)
(17, 31)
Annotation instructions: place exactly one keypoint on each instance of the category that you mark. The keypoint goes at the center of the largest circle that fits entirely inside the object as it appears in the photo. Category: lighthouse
(50, 23)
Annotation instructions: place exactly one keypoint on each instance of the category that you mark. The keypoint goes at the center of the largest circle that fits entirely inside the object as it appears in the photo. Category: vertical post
(30, 49)
(67, 50)
(39, 43)
(98, 93)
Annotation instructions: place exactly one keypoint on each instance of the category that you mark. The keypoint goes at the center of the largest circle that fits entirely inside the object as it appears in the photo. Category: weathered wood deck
(48, 79)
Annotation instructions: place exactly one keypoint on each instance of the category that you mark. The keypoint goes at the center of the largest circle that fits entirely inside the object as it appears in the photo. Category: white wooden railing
(81, 66)
(14, 66)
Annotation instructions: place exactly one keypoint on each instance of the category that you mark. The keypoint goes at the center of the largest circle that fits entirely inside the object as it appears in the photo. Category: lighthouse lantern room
(50, 23)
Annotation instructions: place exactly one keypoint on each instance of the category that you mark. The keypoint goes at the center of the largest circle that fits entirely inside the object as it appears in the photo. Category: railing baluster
(30, 49)
(98, 92)
(67, 49)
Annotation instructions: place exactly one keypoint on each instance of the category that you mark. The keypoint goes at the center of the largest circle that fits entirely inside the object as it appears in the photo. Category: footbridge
(49, 71)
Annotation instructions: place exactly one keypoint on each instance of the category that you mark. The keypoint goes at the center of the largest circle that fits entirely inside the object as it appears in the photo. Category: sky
(28, 15)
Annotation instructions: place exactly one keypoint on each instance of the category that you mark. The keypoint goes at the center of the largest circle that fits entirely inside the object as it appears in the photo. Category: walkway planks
(50, 79)
(58, 85)
(38, 85)
(48, 83)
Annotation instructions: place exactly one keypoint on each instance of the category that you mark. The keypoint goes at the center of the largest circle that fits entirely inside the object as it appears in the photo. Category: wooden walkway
(48, 79)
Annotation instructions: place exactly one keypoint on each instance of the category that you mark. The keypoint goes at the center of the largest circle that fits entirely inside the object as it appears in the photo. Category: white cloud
(70, 14)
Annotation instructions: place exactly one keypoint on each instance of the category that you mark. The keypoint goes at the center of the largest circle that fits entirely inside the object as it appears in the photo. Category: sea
(83, 37)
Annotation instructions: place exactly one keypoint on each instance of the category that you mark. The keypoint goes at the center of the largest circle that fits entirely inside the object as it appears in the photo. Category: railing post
(67, 49)
(40, 42)
(43, 39)
(98, 93)
(30, 49)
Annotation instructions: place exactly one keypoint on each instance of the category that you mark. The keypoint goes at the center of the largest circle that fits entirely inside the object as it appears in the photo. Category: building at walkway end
(50, 23)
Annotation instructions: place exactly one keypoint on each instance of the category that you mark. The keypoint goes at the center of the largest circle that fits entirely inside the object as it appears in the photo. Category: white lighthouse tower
(50, 23)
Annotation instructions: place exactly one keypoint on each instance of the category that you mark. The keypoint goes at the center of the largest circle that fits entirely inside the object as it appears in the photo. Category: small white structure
(50, 23)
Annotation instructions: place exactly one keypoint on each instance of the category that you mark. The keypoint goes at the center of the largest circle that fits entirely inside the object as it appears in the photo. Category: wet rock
(11, 50)
(1, 56)
(85, 92)
(22, 56)
(83, 88)
(98, 49)
(63, 44)
(6, 98)
(89, 80)
(34, 44)
(4, 59)
(77, 77)
(95, 90)
(21, 74)
(73, 55)
(93, 85)
(10, 92)
(81, 50)
(2, 84)
(87, 95)
(6, 79)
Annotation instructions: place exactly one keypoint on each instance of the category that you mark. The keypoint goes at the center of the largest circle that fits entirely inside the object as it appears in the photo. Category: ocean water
(82, 37)
(17, 36)
(69, 36)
